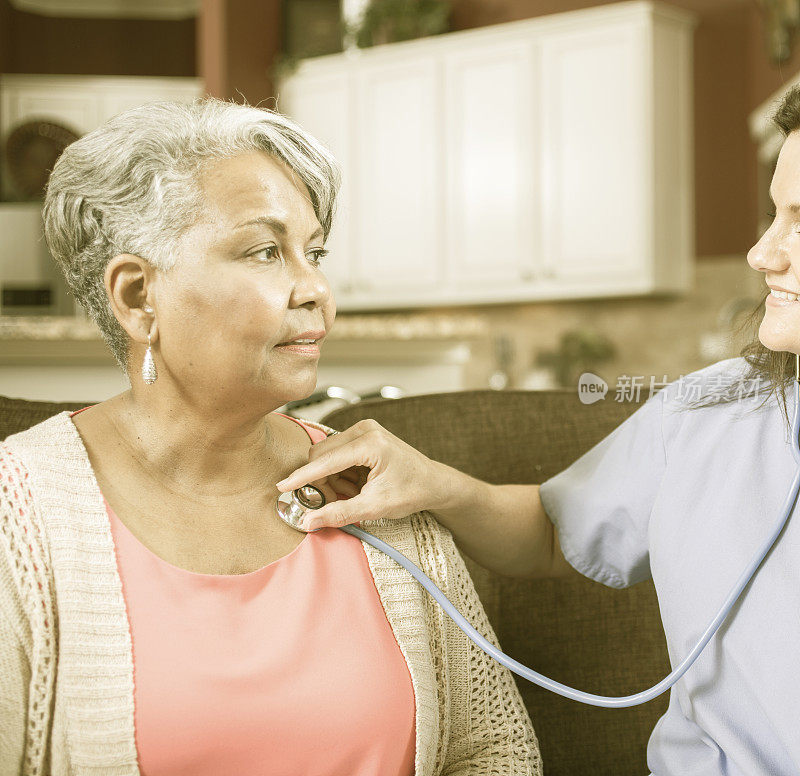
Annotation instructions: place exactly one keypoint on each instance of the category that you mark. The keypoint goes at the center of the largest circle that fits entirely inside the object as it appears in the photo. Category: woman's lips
(305, 349)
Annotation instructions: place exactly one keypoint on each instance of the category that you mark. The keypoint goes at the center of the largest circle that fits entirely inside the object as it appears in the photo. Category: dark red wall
(238, 41)
(5, 35)
(43, 44)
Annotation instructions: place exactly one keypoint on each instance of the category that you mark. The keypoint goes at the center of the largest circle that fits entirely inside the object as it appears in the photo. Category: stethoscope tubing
(610, 702)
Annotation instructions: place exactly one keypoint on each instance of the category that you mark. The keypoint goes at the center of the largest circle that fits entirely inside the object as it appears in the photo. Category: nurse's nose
(770, 253)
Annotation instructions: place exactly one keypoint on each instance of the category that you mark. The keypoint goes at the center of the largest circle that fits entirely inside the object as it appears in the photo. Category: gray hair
(132, 186)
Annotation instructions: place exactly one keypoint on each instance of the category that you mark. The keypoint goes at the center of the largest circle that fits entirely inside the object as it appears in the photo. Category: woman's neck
(195, 450)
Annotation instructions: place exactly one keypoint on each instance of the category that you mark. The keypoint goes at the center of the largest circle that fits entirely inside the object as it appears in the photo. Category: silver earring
(149, 373)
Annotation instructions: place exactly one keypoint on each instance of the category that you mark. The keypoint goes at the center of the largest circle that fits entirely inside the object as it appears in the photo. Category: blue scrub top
(686, 496)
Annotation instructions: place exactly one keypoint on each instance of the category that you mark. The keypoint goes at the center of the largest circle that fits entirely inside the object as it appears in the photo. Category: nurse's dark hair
(774, 370)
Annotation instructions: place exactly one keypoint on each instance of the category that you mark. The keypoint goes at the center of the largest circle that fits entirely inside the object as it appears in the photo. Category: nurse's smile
(781, 298)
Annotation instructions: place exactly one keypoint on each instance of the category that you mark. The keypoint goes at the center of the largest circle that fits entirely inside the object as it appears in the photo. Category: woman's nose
(770, 252)
(310, 285)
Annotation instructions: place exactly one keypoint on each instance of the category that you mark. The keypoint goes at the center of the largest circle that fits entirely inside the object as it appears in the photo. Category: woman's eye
(318, 255)
(270, 250)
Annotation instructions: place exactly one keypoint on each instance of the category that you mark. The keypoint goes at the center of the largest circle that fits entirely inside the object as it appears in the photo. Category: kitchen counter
(394, 326)
(50, 339)
(66, 359)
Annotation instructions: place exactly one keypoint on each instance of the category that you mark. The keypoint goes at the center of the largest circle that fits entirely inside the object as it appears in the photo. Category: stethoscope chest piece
(293, 506)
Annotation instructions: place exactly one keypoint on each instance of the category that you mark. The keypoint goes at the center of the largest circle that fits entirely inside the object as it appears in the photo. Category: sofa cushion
(19, 414)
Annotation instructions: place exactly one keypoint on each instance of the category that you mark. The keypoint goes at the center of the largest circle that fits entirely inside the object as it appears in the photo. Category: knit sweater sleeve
(27, 624)
(490, 731)
(14, 680)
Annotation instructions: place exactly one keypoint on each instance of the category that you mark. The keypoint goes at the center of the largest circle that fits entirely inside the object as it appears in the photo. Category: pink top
(290, 669)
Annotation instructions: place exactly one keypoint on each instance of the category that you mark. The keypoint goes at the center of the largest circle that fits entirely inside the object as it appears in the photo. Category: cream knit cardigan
(66, 665)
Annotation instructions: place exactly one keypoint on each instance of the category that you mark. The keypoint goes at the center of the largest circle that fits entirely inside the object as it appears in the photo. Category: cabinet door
(595, 179)
(322, 104)
(77, 111)
(492, 219)
(398, 169)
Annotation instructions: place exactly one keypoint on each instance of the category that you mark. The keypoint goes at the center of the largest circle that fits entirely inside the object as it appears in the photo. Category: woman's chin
(301, 389)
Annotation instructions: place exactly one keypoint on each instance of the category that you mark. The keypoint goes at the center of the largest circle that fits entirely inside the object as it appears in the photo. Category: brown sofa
(576, 631)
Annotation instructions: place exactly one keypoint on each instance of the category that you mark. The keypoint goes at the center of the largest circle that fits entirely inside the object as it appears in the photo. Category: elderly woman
(156, 615)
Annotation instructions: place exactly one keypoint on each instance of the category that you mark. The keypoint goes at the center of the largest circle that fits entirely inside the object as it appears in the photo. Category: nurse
(683, 492)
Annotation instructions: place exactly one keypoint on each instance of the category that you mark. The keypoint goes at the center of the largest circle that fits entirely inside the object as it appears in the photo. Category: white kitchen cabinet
(544, 159)
(617, 199)
(84, 102)
(324, 100)
(593, 155)
(398, 178)
(492, 223)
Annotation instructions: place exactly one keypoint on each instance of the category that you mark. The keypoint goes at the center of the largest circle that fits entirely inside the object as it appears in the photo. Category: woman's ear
(129, 282)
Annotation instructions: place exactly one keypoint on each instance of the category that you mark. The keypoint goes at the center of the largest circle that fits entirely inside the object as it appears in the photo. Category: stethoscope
(292, 506)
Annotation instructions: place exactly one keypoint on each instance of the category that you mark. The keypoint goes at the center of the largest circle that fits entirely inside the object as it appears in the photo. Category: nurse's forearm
(504, 528)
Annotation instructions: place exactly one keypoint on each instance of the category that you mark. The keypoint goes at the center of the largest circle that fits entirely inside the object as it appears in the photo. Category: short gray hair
(132, 186)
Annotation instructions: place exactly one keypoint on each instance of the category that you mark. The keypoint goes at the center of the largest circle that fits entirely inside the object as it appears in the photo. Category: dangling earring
(149, 373)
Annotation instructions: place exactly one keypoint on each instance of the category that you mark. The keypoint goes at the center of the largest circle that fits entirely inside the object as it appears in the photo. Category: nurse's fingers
(355, 475)
(343, 487)
(335, 455)
(339, 438)
(399, 481)
(340, 513)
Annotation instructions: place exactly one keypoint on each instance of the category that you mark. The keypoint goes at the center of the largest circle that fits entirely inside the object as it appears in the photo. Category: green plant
(283, 66)
(388, 21)
(579, 350)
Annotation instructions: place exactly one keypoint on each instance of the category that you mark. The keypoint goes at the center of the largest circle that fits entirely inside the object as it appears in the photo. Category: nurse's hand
(380, 475)
(504, 528)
